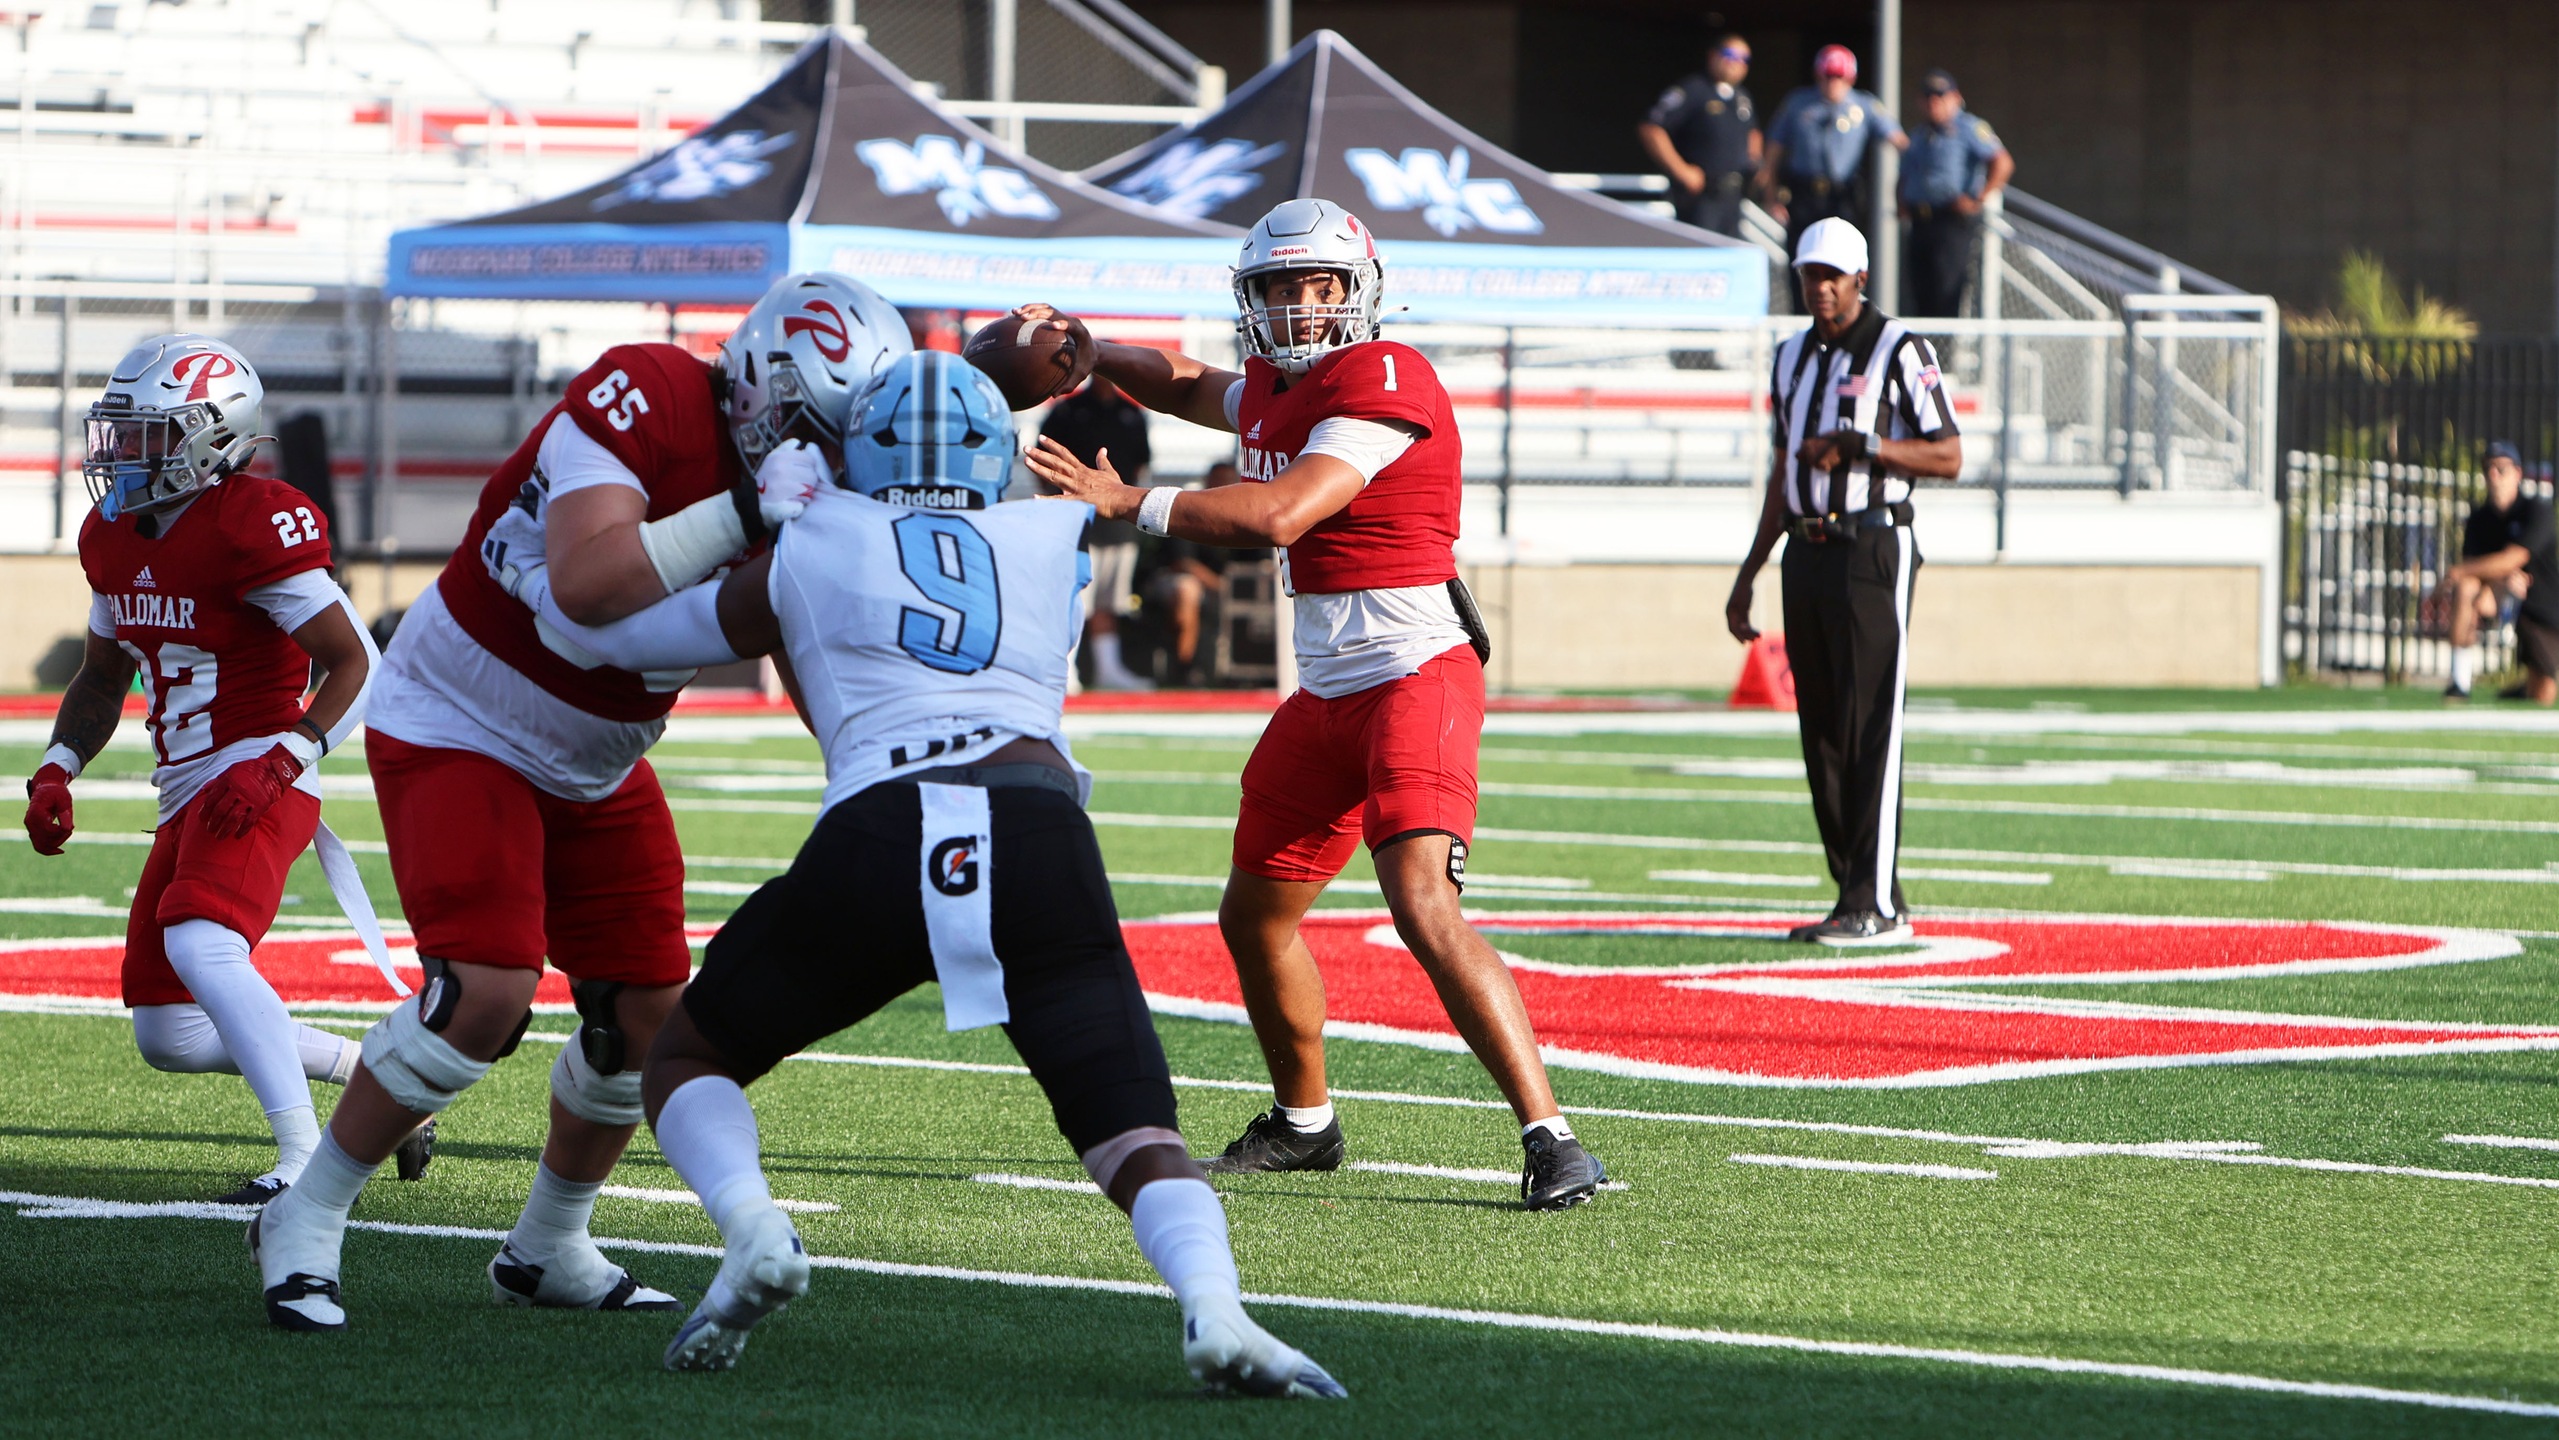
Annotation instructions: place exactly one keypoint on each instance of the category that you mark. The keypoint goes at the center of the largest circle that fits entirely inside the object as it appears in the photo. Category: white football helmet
(1307, 234)
(179, 413)
(802, 360)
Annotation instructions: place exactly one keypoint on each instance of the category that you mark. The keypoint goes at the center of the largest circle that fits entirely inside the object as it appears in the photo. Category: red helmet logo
(832, 335)
(206, 366)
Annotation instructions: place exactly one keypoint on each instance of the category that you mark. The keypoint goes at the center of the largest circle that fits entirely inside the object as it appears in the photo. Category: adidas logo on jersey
(157, 612)
(144, 581)
(1255, 433)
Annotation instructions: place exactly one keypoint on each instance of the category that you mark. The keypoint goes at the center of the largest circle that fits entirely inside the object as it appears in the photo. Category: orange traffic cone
(1767, 682)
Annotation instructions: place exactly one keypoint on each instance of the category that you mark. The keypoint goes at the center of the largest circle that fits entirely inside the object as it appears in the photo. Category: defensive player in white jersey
(211, 586)
(524, 824)
(926, 632)
(1357, 446)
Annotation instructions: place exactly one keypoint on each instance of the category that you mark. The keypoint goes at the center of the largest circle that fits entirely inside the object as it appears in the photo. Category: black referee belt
(1822, 529)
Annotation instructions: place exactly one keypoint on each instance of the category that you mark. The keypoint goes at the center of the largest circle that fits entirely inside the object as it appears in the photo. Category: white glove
(514, 554)
(787, 480)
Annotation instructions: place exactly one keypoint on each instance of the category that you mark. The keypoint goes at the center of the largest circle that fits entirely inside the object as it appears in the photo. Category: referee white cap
(1832, 242)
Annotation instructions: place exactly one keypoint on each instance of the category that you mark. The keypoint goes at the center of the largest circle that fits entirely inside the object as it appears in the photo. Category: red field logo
(1909, 1019)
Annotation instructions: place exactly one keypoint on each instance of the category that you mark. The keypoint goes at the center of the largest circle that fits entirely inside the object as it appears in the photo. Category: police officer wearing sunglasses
(1860, 412)
(1704, 134)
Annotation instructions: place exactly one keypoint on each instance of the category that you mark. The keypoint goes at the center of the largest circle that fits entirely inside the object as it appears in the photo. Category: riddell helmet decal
(1438, 185)
(699, 169)
(961, 181)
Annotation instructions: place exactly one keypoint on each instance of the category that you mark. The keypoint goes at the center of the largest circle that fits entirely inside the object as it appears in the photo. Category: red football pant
(493, 870)
(193, 874)
(1378, 764)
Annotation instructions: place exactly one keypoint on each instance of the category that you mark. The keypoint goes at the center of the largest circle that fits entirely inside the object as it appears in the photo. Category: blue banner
(728, 263)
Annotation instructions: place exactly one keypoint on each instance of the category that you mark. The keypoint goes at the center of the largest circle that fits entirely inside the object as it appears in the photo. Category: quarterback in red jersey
(522, 820)
(1357, 450)
(213, 587)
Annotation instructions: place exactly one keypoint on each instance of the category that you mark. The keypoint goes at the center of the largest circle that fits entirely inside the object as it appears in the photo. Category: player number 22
(619, 399)
(945, 558)
(295, 525)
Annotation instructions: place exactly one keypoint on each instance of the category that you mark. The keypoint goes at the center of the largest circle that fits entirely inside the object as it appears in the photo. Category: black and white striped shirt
(1877, 377)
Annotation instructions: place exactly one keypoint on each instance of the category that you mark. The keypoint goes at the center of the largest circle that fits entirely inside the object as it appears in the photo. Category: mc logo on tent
(1193, 179)
(699, 169)
(961, 181)
(1438, 186)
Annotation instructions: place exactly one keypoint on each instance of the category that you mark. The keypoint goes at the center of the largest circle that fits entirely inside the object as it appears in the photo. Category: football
(1032, 361)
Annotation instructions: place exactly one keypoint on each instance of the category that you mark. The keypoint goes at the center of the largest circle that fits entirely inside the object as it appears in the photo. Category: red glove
(49, 809)
(238, 796)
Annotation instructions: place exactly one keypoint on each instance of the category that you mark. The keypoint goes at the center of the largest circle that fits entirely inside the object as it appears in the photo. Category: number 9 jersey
(929, 637)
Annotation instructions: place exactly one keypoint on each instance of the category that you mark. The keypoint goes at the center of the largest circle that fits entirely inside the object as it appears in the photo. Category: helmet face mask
(1296, 237)
(802, 360)
(936, 434)
(180, 413)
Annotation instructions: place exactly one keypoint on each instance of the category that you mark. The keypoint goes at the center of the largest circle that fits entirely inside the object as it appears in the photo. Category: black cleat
(1560, 1173)
(2456, 694)
(1808, 934)
(417, 1152)
(255, 1192)
(302, 1302)
(1853, 928)
(1271, 1143)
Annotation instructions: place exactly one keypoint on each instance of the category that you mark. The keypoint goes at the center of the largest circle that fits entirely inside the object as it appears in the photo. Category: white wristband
(1155, 512)
(301, 747)
(694, 541)
(64, 756)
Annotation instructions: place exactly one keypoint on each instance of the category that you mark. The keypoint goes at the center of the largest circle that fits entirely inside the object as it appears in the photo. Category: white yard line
(1506, 1178)
(59, 1207)
(649, 1196)
(1866, 1167)
(2503, 1142)
(1037, 1182)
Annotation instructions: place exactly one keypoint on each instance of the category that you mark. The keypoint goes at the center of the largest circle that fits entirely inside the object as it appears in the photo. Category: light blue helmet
(935, 434)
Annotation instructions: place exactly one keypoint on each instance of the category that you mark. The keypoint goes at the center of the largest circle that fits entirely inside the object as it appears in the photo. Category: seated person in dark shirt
(2509, 552)
(1186, 574)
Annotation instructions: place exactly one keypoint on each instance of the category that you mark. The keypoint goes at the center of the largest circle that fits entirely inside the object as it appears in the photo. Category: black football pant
(1941, 262)
(1847, 640)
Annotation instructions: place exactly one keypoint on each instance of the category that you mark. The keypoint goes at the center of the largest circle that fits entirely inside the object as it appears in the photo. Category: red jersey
(215, 668)
(653, 407)
(1401, 529)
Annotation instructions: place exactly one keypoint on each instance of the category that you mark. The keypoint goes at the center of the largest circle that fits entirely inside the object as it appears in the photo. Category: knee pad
(600, 1034)
(598, 1099)
(442, 995)
(413, 1064)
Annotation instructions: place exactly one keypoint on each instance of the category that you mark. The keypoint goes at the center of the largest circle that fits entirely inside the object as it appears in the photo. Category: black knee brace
(600, 1035)
(443, 993)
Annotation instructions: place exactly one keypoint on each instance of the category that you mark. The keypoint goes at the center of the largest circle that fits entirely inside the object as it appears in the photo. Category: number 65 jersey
(929, 637)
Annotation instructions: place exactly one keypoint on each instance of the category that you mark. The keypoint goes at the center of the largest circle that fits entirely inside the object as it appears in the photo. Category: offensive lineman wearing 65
(522, 820)
(1356, 449)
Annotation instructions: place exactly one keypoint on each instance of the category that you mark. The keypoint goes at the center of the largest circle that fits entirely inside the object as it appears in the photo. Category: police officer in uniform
(1704, 134)
(1814, 164)
(1955, 165)
(1860, 413)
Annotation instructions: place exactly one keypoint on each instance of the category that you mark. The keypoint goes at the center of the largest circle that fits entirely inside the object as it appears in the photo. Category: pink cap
(1835, 60)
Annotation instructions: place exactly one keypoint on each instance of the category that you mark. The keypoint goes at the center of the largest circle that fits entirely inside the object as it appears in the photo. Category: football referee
(1860, 411)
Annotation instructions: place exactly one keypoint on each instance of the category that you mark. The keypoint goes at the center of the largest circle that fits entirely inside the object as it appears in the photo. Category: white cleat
(582, 1280)
(1230, 1354)
(765, 1269)
(297, 1299)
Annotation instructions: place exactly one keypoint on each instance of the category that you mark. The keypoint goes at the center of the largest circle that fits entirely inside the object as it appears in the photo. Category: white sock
(707, 1131)
(1106, 654)
(212, 961)
(331, 1179)
(555, 1214)
(1181, 1230)
(2461, 662)
(1306, 1119)
(297, 1136)
(1552, 1124)
(181, 1040)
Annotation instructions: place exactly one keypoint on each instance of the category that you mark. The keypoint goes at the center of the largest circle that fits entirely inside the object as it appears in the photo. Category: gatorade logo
(953, 866)
(828, 330)
(204, 367)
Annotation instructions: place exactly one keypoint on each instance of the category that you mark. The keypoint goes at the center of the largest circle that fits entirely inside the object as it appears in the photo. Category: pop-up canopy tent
(838, 164)
(1470, 231)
